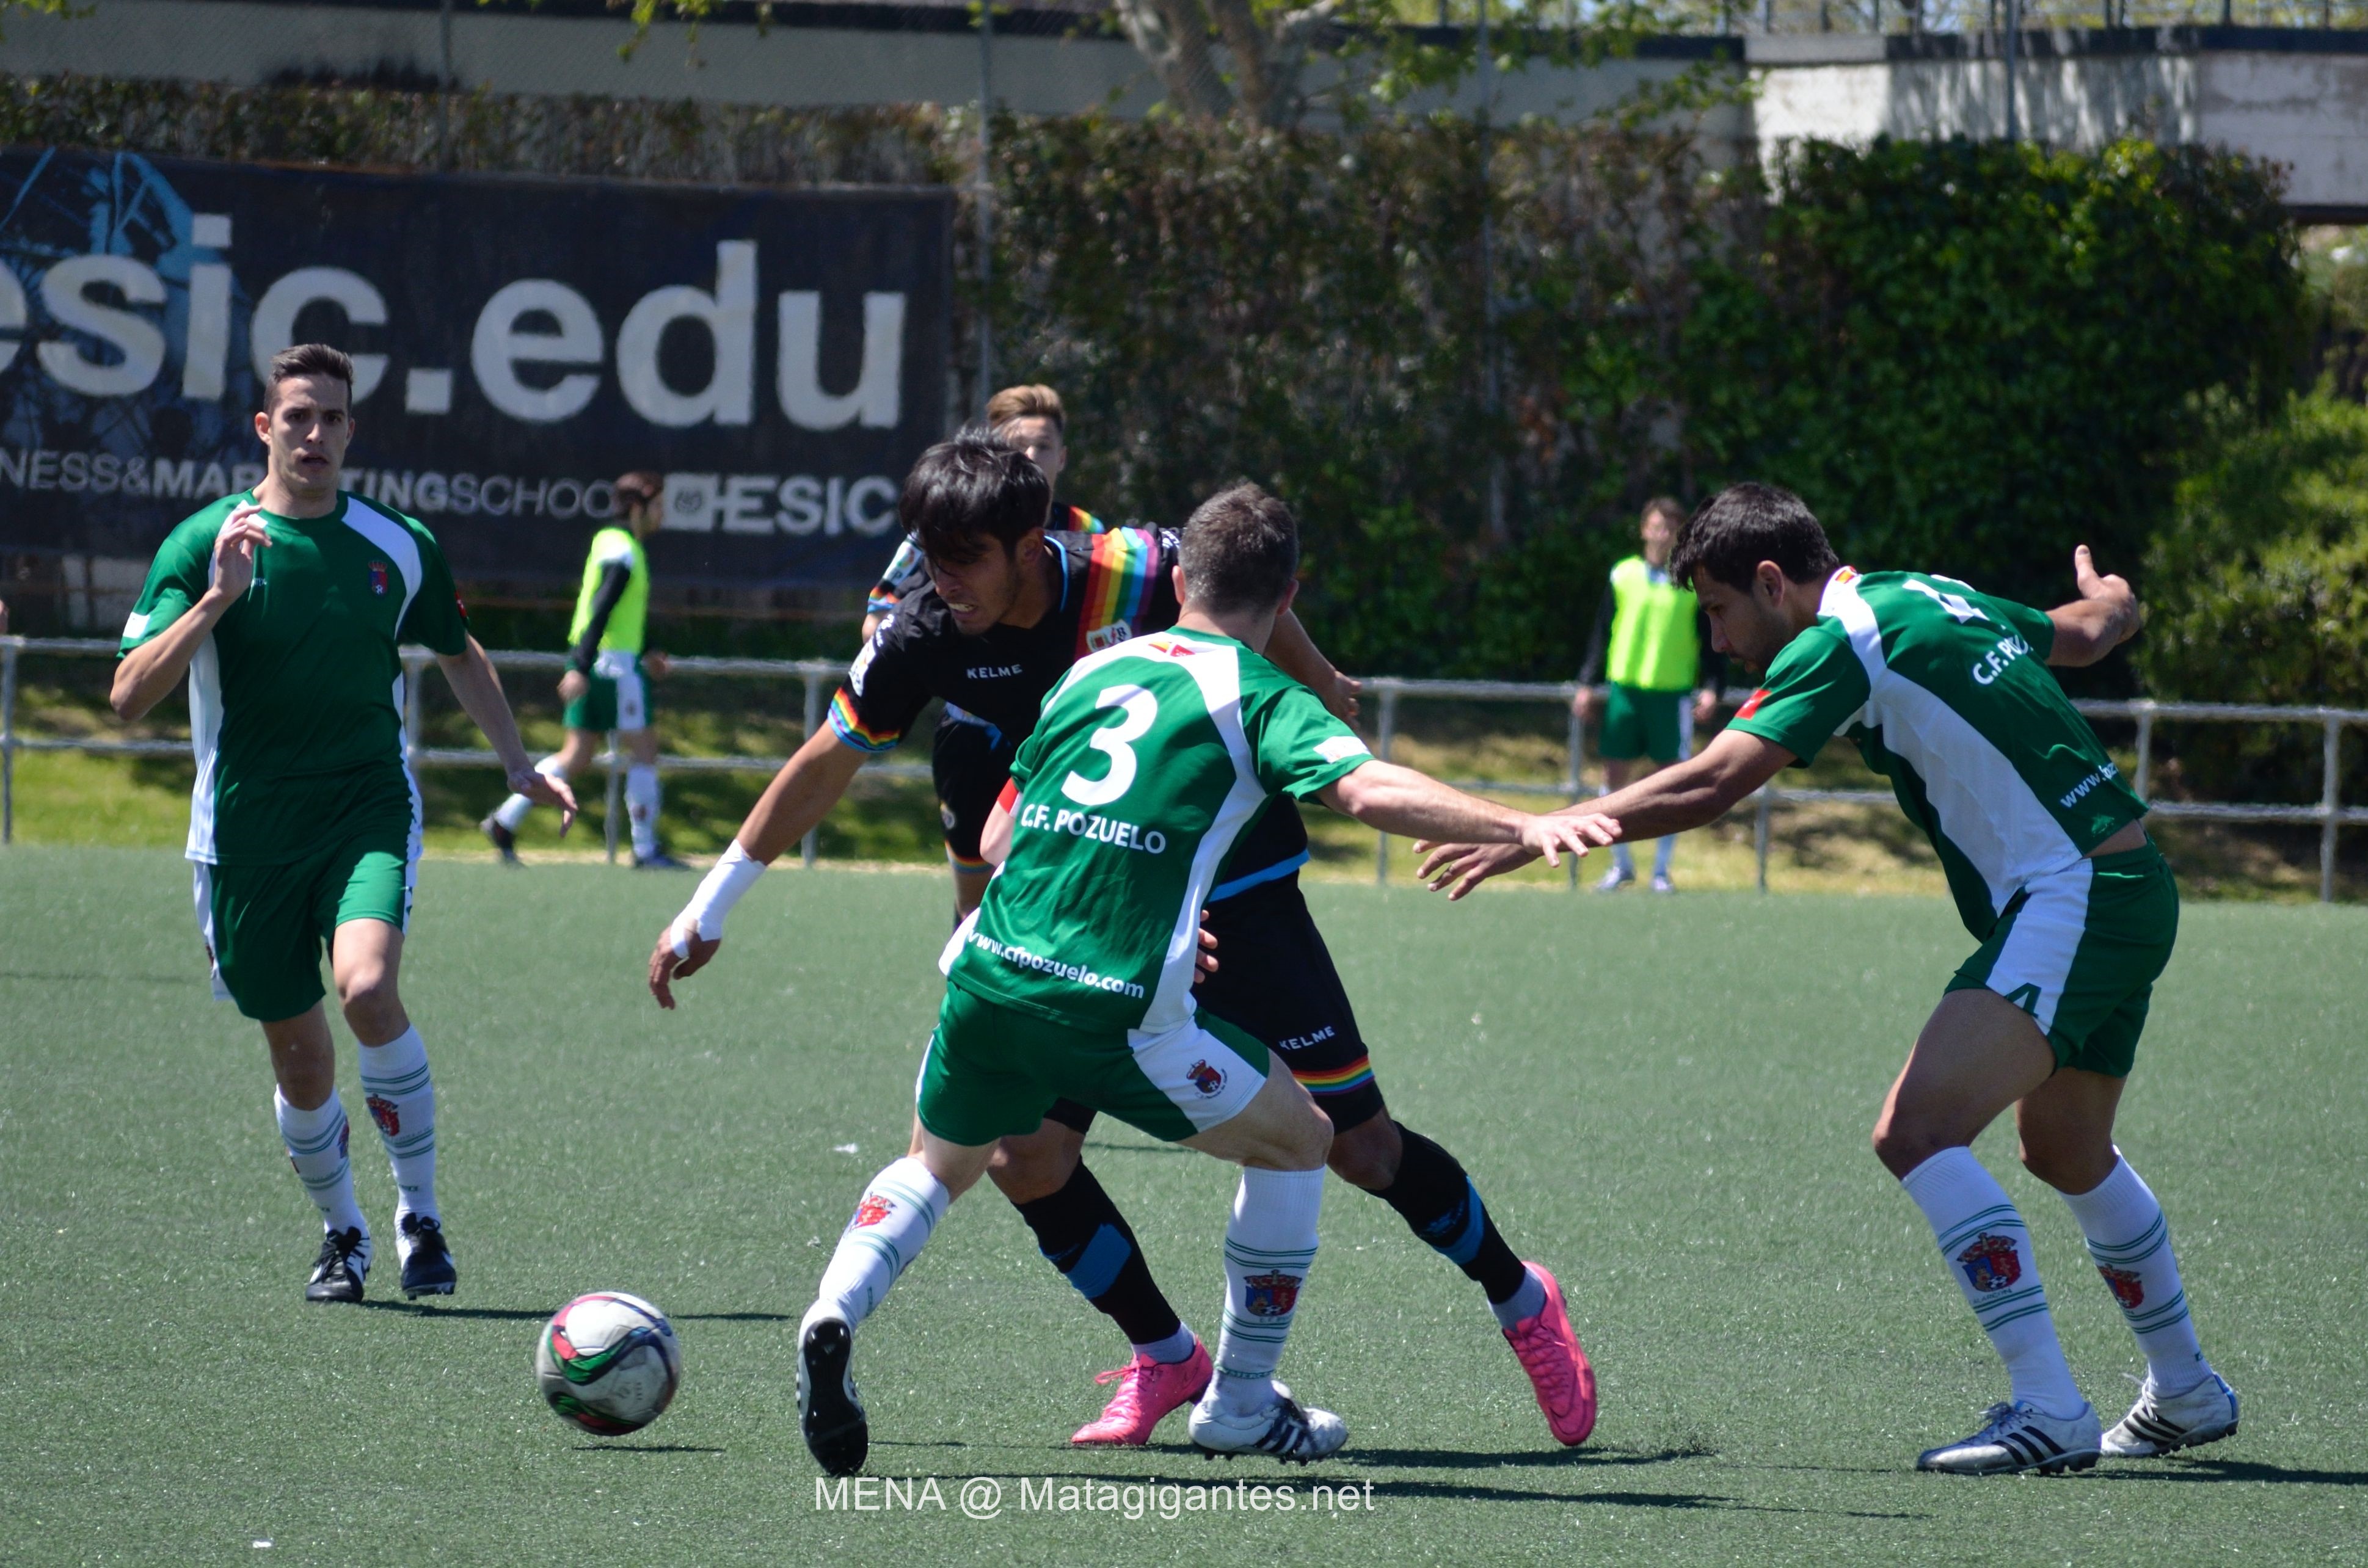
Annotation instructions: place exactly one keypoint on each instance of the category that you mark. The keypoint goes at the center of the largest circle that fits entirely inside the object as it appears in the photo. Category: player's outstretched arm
(1294, 653)
(156, 666)
(1691, 794)
(2105, 616)
(797, 799)
(1398, 800)
(478, 686)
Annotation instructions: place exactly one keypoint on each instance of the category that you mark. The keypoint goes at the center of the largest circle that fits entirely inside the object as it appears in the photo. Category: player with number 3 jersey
(1075, 977)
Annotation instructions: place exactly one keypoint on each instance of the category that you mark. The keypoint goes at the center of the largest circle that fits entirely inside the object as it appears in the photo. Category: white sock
(1177, 1346)
(891, 1224)
(512, 811)
(641, 806)
(1987, 1249)
(2130, 1242)
(315, 1140)
(401, 1100)
(1270, 1246)
(1522, 1304)
(1663, 853)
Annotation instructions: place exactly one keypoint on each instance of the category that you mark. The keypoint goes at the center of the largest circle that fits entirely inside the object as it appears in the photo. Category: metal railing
(1384, 697)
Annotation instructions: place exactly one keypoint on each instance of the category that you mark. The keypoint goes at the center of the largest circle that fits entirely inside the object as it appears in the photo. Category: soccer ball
(608, 1363)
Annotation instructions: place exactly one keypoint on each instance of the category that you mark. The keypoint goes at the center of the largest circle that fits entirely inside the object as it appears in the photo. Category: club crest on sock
(1271, 1295)
(2126, 1287)
(383, 1112)
(872, 1209)
(1990, 1263)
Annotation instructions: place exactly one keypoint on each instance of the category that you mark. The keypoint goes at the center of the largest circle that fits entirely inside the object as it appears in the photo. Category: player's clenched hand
(678, 956)
(1342, 700)
(2113, 589)
(1204, 962)
(572, 685)
(243, 533)
(545, 790)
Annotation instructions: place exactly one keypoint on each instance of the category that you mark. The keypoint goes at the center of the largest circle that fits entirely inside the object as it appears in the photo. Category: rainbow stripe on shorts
(1337, 1080)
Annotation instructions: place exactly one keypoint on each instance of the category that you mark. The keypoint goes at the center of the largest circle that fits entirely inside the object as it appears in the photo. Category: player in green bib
(1651, 651)
(286, 609)
(609, 663)
(1946, 691)
(1074, 977)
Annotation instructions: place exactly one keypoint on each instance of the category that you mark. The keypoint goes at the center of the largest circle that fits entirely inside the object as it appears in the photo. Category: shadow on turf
(536, 1314)
(1582, 1458)
(2235, 1470)
(644, 1448)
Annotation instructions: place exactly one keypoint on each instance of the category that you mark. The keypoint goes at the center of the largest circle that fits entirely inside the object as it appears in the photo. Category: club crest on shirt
(1271, 1295)
(2126, 1287)
(383, 1112)
(1205, 1078)
(872, 1209)
(1110, 636)
(1990, 1263)
(378, 577)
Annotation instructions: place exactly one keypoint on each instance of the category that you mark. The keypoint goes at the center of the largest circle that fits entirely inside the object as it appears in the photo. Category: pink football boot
(1148, 1389)
(1557, 1367)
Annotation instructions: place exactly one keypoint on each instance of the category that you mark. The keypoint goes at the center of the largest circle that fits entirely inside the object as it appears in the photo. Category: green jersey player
(1073, 978)
(285, 606)
(1946, 691)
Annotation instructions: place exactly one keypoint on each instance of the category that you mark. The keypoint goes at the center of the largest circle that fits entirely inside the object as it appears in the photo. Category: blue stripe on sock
(1094, 1267)
(1456, 1234)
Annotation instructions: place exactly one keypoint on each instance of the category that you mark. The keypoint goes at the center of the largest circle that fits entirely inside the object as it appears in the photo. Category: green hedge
(2258, 591)
(1968, 357)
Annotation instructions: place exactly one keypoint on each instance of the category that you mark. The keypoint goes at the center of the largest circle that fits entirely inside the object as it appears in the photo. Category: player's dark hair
(1744, 524)
(1241, 550)
(969, 490)
(307, 360)
(639, 485)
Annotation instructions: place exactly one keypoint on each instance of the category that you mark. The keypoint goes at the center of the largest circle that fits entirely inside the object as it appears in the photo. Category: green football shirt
(1948, 694)
(296, 699)
(1151, 759)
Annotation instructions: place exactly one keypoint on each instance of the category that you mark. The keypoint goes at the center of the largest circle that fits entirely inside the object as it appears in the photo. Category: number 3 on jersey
(1117, 742)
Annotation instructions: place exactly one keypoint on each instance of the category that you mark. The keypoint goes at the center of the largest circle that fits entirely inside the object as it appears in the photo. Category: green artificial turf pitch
(1666, 1101)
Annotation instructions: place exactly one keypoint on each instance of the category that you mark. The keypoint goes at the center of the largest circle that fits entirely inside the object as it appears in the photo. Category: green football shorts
(1636, 723)
(993, 1070)
(2079, 950)
(619, 699)
(264, 926)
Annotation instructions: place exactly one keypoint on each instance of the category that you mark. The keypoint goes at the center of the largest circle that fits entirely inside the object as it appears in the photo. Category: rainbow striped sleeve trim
(1121, 574)
(1339, 1080)
(848, 726)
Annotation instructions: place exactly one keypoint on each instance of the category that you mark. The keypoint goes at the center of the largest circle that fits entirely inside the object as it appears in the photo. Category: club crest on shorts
(1990, 1263)
(872, 1209)
(2126, 1287)
(1205, 1078)
(383, 1112)
(378, 577)
(1271, 1295)
(1110, 636)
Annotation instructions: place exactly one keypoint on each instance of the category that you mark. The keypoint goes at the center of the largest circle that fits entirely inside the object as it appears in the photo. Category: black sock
(1434, 1196)
(1081, 1232)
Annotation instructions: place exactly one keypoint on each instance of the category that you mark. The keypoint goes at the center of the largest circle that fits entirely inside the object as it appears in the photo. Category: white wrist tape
(733, 875)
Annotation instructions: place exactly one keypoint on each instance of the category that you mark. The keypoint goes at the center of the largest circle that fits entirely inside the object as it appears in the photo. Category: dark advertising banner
(518, 343)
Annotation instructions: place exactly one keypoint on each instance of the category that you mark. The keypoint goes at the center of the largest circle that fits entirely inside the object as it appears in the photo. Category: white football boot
(2159, 1425)
(2018, 1437)
(1280, 1428)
